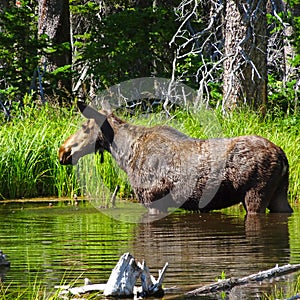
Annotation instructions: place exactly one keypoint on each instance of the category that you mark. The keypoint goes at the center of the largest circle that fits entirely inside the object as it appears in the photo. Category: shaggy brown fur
(169, 169)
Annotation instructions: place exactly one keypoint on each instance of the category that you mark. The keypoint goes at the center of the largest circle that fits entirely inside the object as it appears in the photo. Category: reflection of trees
(204, 245)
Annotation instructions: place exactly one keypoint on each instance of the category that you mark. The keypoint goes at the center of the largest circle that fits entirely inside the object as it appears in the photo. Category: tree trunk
(54, 21)
(245, 69)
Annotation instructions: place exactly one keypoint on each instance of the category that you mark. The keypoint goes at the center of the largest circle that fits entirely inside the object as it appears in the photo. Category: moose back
(169, 169)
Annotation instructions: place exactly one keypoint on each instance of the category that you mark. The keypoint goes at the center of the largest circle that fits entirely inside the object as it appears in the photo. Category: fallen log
(122, 280)
(227, 284)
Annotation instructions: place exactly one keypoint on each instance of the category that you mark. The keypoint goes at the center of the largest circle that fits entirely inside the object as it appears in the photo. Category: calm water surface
(51, 244)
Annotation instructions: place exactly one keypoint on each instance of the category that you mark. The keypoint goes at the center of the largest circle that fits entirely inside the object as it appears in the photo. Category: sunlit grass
(28, 159)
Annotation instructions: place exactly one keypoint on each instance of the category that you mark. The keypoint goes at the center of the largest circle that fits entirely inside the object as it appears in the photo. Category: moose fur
(169, 169)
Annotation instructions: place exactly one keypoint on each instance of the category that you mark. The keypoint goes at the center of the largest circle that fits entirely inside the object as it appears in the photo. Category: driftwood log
(227, 284)
(122, 281)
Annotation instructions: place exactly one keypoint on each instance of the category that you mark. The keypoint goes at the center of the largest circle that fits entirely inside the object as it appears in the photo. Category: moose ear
(100, 119)
(91, 113)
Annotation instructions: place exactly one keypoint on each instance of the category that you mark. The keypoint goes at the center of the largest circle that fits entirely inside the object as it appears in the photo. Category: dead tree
(245, 49)
(232, 48)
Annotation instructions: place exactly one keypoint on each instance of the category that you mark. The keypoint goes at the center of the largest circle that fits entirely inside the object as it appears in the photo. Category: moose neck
(121, 148)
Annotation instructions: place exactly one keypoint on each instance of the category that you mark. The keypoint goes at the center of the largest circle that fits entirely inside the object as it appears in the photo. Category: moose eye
(86, 129)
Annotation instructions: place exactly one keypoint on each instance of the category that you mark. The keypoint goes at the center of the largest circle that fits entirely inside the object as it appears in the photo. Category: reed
(28, 157)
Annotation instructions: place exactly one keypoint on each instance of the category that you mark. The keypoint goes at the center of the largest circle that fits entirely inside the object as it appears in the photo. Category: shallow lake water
(53, 245)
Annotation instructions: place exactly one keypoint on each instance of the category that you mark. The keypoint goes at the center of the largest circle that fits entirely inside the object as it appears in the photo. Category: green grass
(28, 160)
(29, 166)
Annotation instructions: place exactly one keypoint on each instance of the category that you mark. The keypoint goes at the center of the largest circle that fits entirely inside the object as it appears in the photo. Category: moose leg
(279, 202)
(255, 201)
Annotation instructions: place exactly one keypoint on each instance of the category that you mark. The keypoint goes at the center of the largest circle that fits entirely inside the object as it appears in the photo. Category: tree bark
(54, 21)
(245, 67)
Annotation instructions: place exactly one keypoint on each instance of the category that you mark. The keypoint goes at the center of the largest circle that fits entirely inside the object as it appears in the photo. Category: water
(52, 245)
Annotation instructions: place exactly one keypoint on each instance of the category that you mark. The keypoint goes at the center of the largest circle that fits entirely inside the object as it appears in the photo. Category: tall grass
(29, 166)
(28, 158)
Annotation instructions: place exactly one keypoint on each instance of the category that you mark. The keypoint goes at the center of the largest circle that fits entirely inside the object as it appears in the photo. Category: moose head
(95, 135)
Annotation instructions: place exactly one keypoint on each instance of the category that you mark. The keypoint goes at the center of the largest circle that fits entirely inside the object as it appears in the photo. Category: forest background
(235, 54)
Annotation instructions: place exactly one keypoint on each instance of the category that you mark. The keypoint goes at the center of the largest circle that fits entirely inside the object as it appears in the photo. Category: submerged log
(227, 284)
(122, 281)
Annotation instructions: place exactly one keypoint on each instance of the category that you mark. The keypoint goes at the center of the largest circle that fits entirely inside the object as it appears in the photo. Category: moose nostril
(64, 156)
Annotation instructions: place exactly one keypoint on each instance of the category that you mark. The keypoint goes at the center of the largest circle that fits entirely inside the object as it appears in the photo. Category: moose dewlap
(169, 169)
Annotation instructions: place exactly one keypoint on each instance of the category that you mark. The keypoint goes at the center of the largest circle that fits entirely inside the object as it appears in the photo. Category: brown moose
(169, 169)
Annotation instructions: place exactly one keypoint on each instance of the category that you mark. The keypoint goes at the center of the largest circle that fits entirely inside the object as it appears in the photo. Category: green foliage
(129, 44)
(124, 40)
(282, 96)
(21, 50)
(29, 165)
(18, 49)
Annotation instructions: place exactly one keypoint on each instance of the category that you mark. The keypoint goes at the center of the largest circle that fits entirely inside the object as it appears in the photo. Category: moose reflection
(199, 247)
(169, 169)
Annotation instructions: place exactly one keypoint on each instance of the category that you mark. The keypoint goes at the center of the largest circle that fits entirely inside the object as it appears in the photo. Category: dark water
(51, 245)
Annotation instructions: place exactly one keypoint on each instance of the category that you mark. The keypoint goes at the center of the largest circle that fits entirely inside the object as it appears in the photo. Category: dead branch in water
(122, 280)
(228, 284)
(125, 274)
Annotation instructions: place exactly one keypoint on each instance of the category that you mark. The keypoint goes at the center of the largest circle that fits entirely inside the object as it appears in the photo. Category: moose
(167, 168)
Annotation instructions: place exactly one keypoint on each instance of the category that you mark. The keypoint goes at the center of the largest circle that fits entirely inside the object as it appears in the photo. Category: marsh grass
(29, 166)
(28, 159)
